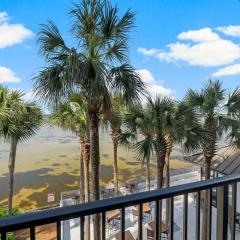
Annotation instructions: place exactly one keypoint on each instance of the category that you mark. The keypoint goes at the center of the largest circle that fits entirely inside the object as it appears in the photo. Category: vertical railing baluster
(171, 219)
(233, 212)
(123, 223)
(185, 216)
(140, 220)
(32, 233)
(209, 205)
(198, 219)
(157, 219)
(3, 235)
(222, 213)
(82, 219)
(59, 233)
(160, 219)
(103, 225)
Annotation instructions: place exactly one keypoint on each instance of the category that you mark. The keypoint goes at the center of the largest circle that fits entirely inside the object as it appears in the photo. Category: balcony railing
(220, 186)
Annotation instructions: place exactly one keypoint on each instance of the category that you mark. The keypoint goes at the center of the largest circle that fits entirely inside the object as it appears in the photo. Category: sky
(176, 44)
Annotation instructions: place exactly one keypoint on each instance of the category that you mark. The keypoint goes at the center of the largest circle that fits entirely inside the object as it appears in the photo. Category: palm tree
(137, 121)
(4, 108)
(24, 118)
(71, 115)
(116, 122)
(182, 125)
(97, 67)
(161, 110)
(218, 111)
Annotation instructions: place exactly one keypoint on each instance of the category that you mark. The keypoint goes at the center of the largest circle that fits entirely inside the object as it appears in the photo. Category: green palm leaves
(19, 121)
(71, 115)
(218, 112)
(95, 67)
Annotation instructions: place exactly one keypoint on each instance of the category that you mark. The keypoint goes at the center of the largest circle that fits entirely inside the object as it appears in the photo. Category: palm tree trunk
(160, 167)
(148, 179)
(167, 169)
(167, 182)
(208, 152)
(82, 182)
(167, 173)
(206, 196)
(167, 162)
(86, 188)
(115, 164)
(11, 167)
(95, 163)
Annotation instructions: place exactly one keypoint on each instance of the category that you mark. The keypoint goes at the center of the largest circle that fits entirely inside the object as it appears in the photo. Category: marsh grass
(48, 163)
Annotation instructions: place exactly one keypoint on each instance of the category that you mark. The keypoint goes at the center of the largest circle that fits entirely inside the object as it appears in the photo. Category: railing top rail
(53, 215)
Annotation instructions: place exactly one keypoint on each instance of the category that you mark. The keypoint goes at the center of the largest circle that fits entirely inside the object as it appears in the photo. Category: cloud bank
(228, 71)
(153, 86)
(8, 76)
(203, 47)
(230, 30)
(11, 34)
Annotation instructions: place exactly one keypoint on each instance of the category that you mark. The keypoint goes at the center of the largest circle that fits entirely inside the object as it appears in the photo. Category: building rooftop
(225, 161)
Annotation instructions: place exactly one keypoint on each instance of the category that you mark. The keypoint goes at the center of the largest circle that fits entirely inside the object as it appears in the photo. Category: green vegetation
(72, 115)
(219, 112)
(116, 122)
(4, 213)
(20, 122)
(92, 83)
(97, 66)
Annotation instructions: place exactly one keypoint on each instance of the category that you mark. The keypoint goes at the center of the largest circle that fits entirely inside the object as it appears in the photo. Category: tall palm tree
(24, 118)
(116, 122)
(218, 111)
(137, 121)
(160, 109)
(97, 67)
(182, 125)
(72, 115)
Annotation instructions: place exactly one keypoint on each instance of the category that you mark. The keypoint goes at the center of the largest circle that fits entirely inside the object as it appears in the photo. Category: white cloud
(207, 49)
(153, 87)
(11, 34)
(3, 17)
(8, 76)
(229, 70)
(29, 95)
(149, 52)
(146, 75)
(202, 35)
(230, 30)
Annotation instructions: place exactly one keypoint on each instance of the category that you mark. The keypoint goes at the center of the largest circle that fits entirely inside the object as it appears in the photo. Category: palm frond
(144, 149)
(124, 81)
(71, 115)
(126, 139)
(20, 119)
(50, 41)
(233, 104)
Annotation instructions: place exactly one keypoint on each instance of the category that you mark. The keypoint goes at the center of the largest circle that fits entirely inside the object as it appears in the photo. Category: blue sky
(176, 44)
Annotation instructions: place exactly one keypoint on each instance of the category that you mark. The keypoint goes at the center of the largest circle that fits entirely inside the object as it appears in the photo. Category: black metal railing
(221, 188)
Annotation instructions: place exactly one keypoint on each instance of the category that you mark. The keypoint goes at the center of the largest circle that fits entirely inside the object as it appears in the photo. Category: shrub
(4, 213)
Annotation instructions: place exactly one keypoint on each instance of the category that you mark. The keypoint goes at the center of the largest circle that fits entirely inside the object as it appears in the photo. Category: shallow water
(49, 162)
